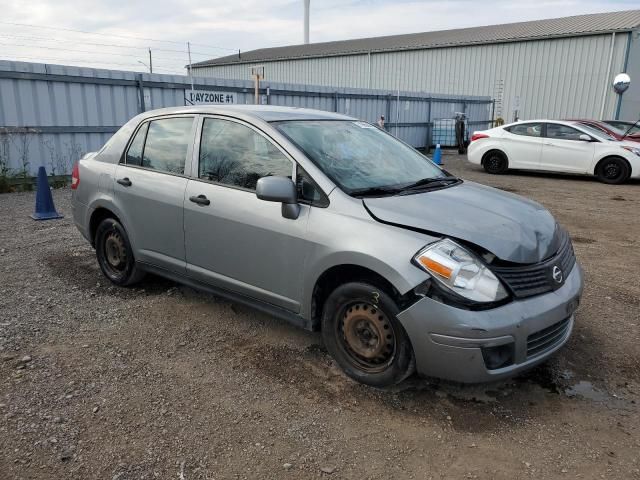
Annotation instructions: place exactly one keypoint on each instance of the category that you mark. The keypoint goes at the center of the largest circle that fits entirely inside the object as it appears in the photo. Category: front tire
(115, 255)
(613, 171)
(495, 163)
(363, 335)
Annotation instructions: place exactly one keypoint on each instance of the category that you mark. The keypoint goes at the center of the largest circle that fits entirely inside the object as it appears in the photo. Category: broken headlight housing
(460, 271)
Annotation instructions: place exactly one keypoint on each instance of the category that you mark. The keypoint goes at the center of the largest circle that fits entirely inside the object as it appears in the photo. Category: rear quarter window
(526, 129)
(134, 153)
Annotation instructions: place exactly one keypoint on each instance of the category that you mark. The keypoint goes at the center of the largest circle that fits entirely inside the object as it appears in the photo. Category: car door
(523, 144)
(234, 240)
(564, 151)
(149, 190)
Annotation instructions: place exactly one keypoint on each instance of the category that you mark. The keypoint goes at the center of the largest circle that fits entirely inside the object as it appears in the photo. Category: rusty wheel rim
(367, 336)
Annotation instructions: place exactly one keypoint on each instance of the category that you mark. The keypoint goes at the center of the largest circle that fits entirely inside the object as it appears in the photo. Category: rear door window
(526, 129)
(167, 143)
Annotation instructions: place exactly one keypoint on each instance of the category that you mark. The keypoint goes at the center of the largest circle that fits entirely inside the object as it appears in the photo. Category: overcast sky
(218, 28)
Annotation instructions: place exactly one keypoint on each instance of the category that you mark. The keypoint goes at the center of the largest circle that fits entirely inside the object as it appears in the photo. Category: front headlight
(632, 149)
(460, 271)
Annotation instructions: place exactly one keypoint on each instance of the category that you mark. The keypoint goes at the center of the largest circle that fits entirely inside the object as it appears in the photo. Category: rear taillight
(75, 176)
(478, 136)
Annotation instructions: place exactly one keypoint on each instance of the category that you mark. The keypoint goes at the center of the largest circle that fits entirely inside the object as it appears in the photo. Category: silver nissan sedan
(334, 225)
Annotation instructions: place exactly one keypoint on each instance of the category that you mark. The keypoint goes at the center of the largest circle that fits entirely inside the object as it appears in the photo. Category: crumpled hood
(509, 226)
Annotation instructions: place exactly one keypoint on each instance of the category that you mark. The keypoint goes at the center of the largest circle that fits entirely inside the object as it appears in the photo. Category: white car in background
(555, 146)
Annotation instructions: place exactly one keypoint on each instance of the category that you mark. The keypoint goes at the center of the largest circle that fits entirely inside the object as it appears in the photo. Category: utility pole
(150, 62)
(306, 20)
(190, 76)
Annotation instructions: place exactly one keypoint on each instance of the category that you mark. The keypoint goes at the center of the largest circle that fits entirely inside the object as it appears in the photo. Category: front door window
(236, 155)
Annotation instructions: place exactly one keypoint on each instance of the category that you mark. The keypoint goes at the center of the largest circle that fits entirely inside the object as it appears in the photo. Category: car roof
(534, 120)
(267, 113)
(582, 120)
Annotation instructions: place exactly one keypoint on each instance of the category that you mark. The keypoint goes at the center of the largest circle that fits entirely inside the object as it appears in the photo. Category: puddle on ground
(587, 391)
(534, 385)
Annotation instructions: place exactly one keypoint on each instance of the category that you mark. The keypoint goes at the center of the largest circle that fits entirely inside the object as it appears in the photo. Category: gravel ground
(162, 381)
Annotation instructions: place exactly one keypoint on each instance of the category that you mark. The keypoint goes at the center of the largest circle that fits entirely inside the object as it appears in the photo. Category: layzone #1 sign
(203, 97)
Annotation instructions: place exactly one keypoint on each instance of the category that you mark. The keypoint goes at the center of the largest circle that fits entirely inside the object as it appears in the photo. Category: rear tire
(363, 335)
(613, 171)
(115, 255)
(495, 163)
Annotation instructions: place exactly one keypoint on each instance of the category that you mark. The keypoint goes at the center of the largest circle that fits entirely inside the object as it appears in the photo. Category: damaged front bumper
(481, 346)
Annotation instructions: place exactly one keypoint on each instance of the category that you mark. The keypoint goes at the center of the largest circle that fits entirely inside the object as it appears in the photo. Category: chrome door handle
(124, 182)
(200, 200)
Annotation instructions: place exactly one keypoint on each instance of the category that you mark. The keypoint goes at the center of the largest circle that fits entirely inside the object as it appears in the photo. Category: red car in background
(613, 129)
(622, 125)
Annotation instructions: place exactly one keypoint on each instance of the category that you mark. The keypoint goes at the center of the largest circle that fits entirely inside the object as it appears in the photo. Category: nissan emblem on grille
(556, 273)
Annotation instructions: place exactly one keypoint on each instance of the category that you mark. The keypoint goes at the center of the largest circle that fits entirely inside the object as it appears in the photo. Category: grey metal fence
(51, 114)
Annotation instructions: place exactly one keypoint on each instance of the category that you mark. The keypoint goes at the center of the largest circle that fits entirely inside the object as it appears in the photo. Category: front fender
(362, 242)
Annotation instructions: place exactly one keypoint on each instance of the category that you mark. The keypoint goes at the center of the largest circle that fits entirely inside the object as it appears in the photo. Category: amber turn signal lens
(435, 267)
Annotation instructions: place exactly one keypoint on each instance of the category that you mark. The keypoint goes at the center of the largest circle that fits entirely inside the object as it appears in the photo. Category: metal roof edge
(412, 48)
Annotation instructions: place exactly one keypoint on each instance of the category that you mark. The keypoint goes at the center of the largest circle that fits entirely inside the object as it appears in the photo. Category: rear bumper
(81, 216)
(449, 342)
(474, 154)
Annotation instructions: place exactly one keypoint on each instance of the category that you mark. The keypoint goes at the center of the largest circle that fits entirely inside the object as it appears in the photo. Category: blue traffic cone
(437, 155)
(45, 209)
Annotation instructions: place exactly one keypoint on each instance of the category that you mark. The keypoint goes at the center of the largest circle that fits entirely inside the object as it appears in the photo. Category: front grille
(547, 338)
(536, 279)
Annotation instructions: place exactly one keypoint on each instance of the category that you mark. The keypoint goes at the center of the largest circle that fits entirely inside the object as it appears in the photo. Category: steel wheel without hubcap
(367, 336)
(362, 333)
(115, 252)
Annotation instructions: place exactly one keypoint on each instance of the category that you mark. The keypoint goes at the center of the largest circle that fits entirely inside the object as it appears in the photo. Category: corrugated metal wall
(50, 114)
(555, 78)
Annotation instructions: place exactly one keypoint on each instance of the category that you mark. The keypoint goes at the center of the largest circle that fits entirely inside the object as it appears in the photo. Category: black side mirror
(280, 189)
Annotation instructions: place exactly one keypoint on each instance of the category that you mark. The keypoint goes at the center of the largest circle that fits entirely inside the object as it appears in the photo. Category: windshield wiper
(432, 182)
(630, 128)
(425, 183)
(375, 191)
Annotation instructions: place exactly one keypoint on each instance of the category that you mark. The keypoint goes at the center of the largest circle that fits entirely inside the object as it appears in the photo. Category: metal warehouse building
(558, 68)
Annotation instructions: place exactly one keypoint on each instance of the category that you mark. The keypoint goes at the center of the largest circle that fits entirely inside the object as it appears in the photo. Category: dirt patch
(161, 381)
(583, 240)
(509, 189)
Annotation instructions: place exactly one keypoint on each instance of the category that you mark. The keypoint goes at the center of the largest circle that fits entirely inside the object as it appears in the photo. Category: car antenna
(630, 128)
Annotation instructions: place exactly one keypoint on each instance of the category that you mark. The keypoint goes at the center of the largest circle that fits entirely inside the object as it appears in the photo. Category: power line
(119, 54)
(70, 61)
(73, 60)
(155, 49)
(170, 71)
(112, 35)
